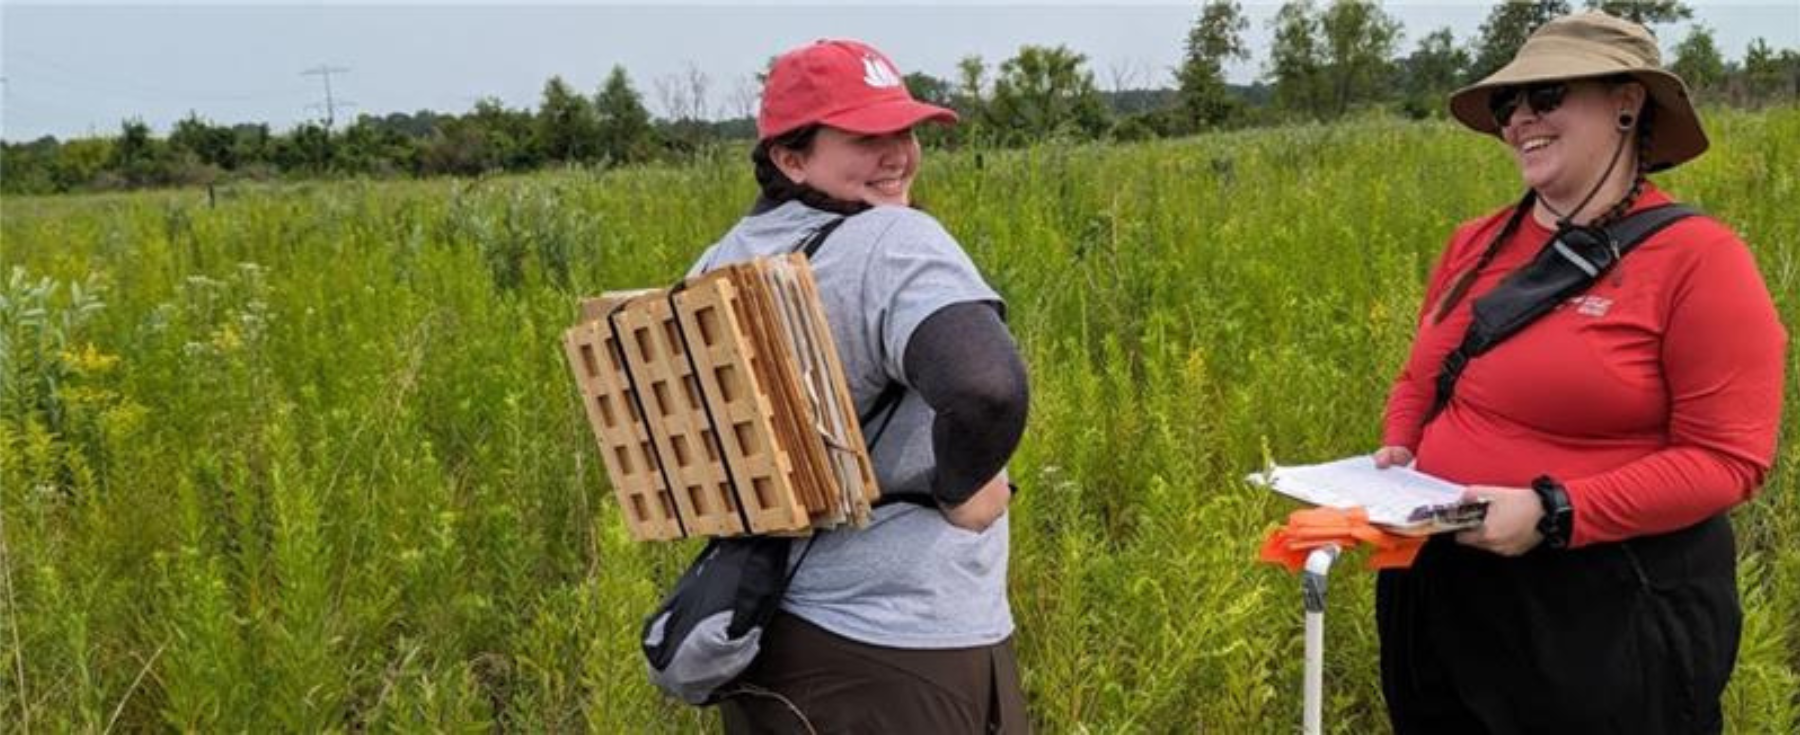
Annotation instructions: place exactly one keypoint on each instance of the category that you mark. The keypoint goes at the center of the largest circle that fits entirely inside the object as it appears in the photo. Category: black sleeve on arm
(963, 363)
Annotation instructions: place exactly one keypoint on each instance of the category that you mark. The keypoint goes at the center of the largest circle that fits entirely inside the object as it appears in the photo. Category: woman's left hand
(1511, 525)
(983, 508)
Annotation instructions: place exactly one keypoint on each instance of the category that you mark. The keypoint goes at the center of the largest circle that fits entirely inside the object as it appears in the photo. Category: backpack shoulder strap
(816, 240)
(884, 408)
(888, 402)
(1555, 274)
(1635, 229)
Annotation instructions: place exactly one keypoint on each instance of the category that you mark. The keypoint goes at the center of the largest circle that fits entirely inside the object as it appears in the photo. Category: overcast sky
(80, 68)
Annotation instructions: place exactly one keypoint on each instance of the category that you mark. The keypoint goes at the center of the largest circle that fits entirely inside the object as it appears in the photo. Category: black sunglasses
(1543, 98)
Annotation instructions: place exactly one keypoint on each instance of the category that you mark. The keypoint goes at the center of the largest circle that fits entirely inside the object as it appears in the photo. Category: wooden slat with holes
(644, 500)
(742, 414)
(670, 395)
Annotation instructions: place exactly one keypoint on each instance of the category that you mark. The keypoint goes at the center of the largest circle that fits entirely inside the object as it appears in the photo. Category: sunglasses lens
(1546, 98)
(1502, 103)
(1542, 98)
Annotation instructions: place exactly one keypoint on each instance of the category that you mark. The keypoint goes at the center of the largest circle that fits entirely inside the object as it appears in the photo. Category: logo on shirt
(877, 73)
(1590, 305)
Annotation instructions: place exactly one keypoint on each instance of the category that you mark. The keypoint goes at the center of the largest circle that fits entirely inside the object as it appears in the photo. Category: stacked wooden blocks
(720, 407)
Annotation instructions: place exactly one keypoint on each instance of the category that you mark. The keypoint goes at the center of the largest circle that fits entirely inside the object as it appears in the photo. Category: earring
(1625, 121)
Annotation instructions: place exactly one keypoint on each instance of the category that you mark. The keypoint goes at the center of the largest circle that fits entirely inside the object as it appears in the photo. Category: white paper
(1389, 495)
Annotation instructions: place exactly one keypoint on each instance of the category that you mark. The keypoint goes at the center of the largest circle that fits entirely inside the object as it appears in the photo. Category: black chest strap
(1573, 260)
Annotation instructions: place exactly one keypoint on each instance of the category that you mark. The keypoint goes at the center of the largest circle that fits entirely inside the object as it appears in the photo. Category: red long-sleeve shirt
(1655, 396)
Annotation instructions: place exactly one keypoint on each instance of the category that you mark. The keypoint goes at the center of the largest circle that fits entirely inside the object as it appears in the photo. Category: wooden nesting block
(709, 309)
(598, 309)
(837, 422)
(644, 498)
(679, 428)
(720, 406)
(796, 426)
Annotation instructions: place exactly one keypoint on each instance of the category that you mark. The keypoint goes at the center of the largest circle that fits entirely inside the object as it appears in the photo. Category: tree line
(1325, 61)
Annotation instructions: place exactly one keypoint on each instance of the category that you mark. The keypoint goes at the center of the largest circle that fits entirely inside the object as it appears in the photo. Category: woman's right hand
(1386, 457)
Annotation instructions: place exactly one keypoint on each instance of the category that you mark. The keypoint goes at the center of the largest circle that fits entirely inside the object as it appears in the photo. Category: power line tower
(331, 104)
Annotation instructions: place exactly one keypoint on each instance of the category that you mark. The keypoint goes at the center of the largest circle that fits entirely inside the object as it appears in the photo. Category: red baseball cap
(845, 84)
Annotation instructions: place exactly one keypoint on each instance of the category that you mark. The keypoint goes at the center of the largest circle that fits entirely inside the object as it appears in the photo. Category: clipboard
(1399, 499)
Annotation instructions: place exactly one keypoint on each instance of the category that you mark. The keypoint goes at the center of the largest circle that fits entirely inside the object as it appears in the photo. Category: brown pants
(808, 680)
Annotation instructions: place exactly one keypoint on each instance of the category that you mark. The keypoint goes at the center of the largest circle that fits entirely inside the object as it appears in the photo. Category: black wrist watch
(1558, 520)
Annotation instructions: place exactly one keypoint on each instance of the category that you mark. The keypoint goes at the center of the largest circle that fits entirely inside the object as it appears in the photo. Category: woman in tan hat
(902, 626)
(1609, 435)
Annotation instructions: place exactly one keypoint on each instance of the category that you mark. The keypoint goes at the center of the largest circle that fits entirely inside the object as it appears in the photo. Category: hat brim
(889, 116)
(1675, 134)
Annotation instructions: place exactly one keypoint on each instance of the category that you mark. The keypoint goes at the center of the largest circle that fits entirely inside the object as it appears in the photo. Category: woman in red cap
(902, 626)
(1610, 435)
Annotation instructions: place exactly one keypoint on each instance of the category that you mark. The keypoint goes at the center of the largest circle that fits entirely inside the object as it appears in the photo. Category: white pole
(1312, 586)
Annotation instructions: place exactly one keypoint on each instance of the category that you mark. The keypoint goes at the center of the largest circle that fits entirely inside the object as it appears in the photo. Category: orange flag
(1312, 528)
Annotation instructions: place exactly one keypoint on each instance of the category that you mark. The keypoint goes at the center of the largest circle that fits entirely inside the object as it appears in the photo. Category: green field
(308, 458)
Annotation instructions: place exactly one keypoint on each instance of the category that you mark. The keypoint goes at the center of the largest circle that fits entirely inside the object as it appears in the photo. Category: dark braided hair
(777, 189)
(1623, 207)
(1460, 287)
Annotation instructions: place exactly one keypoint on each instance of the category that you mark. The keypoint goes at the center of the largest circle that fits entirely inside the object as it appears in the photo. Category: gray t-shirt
(909, 579)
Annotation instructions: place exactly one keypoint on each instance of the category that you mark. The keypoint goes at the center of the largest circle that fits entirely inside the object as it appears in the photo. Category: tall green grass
(309, 459)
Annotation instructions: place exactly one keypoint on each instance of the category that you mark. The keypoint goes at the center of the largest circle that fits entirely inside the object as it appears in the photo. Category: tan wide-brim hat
(1589, 45)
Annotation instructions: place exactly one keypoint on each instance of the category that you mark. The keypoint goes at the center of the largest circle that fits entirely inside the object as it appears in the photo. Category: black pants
(809, 680)
(1634, 637)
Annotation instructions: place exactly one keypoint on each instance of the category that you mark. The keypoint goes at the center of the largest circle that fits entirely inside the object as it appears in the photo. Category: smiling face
(874, 169)
(1562, 153)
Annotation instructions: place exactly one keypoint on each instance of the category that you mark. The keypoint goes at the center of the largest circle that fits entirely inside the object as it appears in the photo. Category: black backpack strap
(888, 402)
(816, 240)
(885, 405)
(883, 408)
(1635, 229)
(1575, 258)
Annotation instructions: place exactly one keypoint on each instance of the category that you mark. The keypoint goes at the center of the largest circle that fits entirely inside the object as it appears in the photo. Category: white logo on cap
(877, 73)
